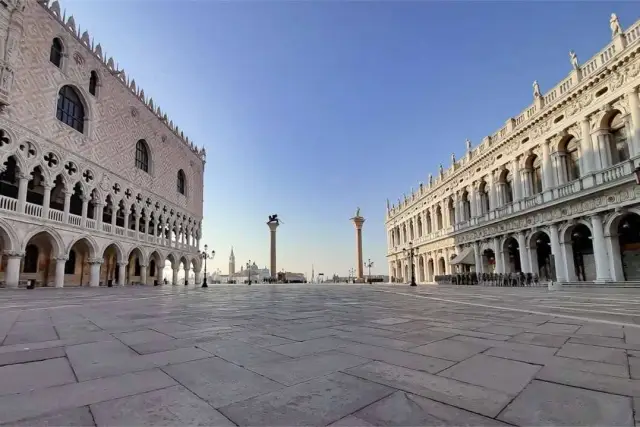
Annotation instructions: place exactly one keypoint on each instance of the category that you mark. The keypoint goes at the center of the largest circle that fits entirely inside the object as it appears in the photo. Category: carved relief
(78, 58)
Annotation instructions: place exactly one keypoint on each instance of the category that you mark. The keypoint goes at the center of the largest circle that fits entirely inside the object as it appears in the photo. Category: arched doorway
(512, 256)
(540, 245)
(37, 262)
(430, 270)
(629, 241)
(155, 268)
(441, 266)
(77, 268)
(110, 269)
(136, 274)
(584, 262)
(488, 261)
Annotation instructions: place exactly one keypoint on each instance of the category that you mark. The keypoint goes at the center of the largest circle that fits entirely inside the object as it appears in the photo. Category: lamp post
(411, 253)
(249, 272)
(369, 264)
(205, 256)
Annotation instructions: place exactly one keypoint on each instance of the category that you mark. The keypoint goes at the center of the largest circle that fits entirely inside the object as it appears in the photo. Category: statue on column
(441, 170)
(536, 89)
(453, 158)
(430, 180)
(357, 215)
(614, 23)
(468, 145)
(574, 60)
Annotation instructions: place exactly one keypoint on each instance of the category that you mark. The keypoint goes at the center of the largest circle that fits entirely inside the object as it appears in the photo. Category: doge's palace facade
(553, 192)
(97, 185)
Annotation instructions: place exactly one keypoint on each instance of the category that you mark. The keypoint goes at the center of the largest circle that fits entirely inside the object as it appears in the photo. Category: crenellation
(70, 25)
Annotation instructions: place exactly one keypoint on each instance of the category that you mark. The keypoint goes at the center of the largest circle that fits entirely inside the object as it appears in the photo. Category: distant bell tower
(232, 263)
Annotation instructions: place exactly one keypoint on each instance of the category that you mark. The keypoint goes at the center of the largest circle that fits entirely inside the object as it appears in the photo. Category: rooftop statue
(274, 218)
(614, 23)
(357, 212)
(536, 89)
(574, 60)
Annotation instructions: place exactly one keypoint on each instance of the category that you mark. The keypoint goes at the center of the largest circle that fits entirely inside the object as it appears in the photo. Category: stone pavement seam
(565, 316)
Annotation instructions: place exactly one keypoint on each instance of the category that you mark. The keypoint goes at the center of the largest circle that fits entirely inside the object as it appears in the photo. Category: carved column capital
(94, 261)
(123, 263)
(61, 258)
(14, 254)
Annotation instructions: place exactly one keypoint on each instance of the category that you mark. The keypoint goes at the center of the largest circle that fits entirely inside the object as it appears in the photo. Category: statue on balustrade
(614, 23)
(574, 60)
(536, 89)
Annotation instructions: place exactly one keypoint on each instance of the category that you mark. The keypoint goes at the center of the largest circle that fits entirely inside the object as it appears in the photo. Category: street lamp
(249, 272)
(205, 256)
(369, 264)
(411, 252)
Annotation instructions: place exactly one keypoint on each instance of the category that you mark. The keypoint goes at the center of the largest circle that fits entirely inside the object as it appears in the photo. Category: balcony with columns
(28, 197)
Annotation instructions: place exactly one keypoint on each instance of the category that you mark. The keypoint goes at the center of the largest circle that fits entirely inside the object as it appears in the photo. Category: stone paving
(319, 355)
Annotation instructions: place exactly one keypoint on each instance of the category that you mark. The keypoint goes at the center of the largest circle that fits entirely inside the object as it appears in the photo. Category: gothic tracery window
(181, 182)
(142, 156)
(55, 54)
(70, 110)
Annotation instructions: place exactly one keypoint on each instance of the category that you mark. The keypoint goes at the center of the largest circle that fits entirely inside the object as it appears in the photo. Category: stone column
(473, 203)
(547, 172)
(498, 254)
(126, 219)
(137, 223)
(59, 278)
(12, 272)
(634, 106)
(499, 194)
(122, 273)
(600, 139)
(600, 250)
(46, 200)
(493, 204)
(533, 260)
(95, 264)
(85, 207)
(23, 181)
(560, 167)
(586, 147)
(143, 273)
(198, 278)
(523, 253)
(615, 258)
(273, 226)
(67, 206)
(526, 183)
(557, 253)
(174, 279)
(568, 264)
(517, 181)
(477, 257)
(98, 211)
(113, 219)
(358, 221)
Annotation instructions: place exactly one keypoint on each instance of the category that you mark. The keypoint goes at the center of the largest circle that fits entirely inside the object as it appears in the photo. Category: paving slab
(54, 399)
(405, 409)
(508, 376)
(595, 353)
(30, 355)
(305, 348)
(545, 404)
(137, 337)
(351, 421)
(76, 417)
(219, 382)
(35, 375)
(462, 395)
(241, 353)
(540, 339)
(450, 349)
(293, 371)
(173, 406)
(397, 357)
(424, 337)
(320, 401)
(591, 381)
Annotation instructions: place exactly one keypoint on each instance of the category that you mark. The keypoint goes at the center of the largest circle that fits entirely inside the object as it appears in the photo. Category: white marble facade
(552, 190)
(97, 184)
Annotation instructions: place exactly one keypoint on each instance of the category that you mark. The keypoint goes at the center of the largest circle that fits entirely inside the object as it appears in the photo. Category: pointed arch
(58, 247)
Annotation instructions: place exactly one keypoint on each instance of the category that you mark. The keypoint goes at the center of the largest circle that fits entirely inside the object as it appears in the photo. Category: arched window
(181, 182)
(70, 264)
(55, 55)
(536, 175)
(572, 160)
(93, 83)
(484, 198)
(619, 139)
(508, 188)
(142, 155)
(152, 268)
(31, 259)
(70, 110)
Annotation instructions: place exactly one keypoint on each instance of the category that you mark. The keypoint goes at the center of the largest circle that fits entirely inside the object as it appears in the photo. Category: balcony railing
(9, 204)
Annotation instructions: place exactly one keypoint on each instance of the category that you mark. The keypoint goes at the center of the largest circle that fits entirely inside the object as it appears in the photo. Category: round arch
(8, 237)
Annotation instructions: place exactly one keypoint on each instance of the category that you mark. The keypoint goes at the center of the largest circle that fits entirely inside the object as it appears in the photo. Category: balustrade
(8, 203)
(32, 209)
(56, 215)
(91, 223)
(106, 227)
(75, 219)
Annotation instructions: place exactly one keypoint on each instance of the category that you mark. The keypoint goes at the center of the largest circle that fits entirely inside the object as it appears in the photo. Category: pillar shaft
(59, 278)
(12, 272)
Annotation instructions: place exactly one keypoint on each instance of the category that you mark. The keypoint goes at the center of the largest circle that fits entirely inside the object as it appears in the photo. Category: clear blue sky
(310, 109)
